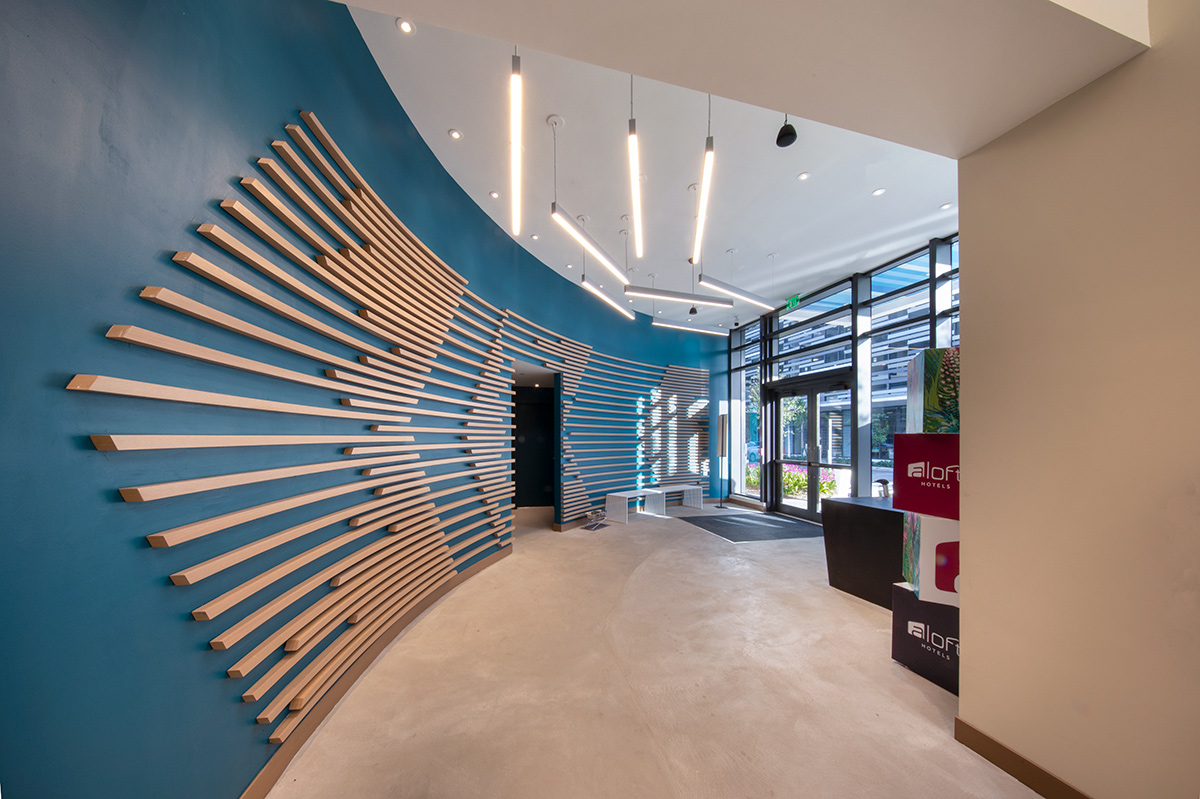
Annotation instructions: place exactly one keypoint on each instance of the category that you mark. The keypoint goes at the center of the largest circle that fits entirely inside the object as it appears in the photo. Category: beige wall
(1124, 16)
(1081, 428)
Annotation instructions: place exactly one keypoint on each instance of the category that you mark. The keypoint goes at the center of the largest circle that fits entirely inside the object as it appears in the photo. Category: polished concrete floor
(649, 660)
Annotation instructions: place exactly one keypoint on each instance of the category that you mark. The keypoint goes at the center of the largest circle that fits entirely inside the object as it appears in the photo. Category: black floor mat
(742, 527)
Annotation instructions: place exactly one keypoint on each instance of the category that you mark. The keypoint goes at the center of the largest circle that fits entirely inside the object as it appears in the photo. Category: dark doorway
(535, 446)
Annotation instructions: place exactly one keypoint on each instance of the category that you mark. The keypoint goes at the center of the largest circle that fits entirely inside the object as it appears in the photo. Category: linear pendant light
(677, 296)
(635, 177)
(569, 224)
(735, 292)
(705, 186)
(690, 328)
(635, 180)
(592, 287)
(514, 110)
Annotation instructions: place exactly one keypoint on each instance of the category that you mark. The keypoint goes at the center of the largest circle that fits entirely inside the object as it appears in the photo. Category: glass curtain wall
(745, 428)
(901, 307)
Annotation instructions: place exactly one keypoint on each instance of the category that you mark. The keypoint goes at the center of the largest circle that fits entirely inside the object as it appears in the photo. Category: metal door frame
(809, 386)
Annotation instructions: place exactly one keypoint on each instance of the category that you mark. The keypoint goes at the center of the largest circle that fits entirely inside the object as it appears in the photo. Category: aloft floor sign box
(927, 474)
(931, 564)
(925, 637)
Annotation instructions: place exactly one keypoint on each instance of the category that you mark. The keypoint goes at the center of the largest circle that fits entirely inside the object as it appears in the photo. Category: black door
(534, 446)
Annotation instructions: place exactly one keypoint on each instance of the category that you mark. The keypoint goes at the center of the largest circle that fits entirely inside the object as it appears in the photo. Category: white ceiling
(945, 75)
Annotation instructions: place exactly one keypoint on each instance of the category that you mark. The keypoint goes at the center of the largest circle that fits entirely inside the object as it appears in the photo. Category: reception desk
(864, 540)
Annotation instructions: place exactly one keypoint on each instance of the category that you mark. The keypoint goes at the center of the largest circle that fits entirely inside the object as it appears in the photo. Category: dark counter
(864, 542)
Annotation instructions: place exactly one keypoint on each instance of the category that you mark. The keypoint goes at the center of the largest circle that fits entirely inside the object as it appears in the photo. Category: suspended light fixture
(709, 329)
(580, 235)
(732, 290)
(677, 296)
(564, 219)
(635, 177)
(705, 186)
(596, 289)
(592, 287)
(514, 110)
(735, 292)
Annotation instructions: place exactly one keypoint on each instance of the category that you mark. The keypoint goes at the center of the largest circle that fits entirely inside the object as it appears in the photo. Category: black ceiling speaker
(787, 134)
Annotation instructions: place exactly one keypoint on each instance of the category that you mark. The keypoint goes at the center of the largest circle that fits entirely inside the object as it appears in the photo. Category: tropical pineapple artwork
(941, 390)
(933, 382)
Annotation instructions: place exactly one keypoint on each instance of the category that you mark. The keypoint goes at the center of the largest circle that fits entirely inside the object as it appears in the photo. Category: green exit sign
(793, 302)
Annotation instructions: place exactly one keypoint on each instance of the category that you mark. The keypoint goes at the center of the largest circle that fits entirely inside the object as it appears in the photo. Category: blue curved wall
(123, 125)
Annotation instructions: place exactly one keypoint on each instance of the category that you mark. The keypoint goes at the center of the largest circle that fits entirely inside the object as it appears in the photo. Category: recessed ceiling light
(946, 206)
(535, 237)
(404, 25)
(454, 134)
(495, 195)
(631, 302)
(660, 311)
(878, 192)
(570, 266)
(802, 176)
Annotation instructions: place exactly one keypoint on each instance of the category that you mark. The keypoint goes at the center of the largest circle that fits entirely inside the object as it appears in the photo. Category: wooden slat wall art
(625, 424)
(416, 372)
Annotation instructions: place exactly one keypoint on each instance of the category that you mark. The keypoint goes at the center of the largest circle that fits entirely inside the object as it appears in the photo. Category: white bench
(616, 504)
(693, 496)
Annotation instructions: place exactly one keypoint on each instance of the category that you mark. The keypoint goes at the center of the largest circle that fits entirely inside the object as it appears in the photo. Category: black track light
(787, 134)
(692, 310)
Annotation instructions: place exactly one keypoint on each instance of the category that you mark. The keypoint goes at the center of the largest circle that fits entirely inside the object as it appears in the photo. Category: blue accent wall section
(124, 123)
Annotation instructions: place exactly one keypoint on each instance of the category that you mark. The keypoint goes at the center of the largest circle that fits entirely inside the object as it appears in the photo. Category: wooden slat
(176, 488)
(134, 442)
(314, 155)
(196, 310)
(229, 559)
(239, 250)
(203, 527)
(393, 567)
(103, 384)
(396, 501)
(356, 403)
(400, 615)
(417, 535)
(249, 662)
(318, 188)
(281, 700)
(281, 179)
(240, 287)
(236, 595)
(156, 341)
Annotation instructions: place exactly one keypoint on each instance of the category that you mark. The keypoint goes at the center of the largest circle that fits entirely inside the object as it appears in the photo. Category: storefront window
(818, 336)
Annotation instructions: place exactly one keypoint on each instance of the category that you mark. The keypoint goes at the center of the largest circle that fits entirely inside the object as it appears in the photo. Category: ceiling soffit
(945, 76)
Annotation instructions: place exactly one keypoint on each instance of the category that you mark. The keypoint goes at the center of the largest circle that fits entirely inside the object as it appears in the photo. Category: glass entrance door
(812, 426)
(793, 452)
